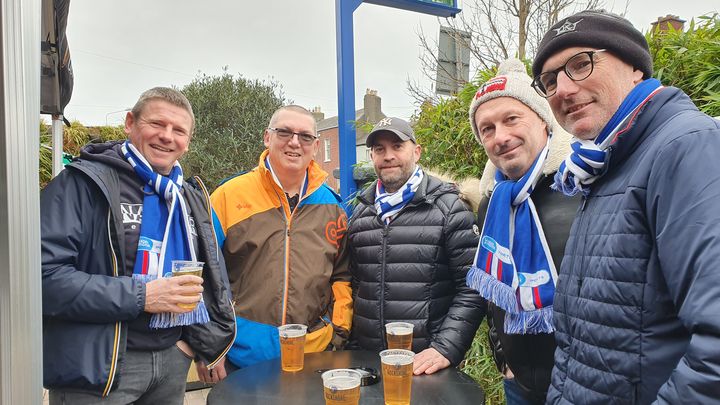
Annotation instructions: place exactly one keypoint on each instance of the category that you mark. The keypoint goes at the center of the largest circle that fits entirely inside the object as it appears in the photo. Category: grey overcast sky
(121, 48)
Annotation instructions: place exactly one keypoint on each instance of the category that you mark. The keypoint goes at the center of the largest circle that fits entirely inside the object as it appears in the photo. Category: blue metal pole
(346, 92)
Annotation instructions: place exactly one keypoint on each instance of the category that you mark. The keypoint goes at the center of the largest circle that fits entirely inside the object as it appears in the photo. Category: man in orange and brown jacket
(282, 234)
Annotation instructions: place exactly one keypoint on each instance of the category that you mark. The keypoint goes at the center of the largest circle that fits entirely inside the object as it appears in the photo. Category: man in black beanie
(636, 314)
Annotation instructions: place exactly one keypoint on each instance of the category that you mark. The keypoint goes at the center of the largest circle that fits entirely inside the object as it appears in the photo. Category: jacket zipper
(208, 205)
(286, 270)
(116, 340)
(579, 281)
(288, 223)
(217, 253)
(382, 281)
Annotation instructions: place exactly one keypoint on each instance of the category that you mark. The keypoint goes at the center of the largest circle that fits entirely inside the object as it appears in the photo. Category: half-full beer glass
(187, 267)
(292, 346)
(341, 387)
(397, 372)
(399, 335)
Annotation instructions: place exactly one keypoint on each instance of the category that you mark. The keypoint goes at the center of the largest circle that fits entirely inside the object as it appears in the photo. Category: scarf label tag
(501, 252)
(537, 279)
(149, 245)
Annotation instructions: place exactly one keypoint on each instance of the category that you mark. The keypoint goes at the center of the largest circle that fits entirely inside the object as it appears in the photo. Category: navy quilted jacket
(637, 309)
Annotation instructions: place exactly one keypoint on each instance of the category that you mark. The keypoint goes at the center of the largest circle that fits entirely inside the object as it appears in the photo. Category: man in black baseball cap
(636, 316)
(428, 241)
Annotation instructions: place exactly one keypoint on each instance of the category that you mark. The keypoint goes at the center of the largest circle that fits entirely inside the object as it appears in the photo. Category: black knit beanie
(598, 29)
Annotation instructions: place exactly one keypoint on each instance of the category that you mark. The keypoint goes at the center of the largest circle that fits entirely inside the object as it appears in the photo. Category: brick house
(328, 155)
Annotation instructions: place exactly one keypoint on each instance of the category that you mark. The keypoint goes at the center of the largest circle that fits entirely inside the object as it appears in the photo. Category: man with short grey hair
(636, 311)
(116, 328)
(282, 233)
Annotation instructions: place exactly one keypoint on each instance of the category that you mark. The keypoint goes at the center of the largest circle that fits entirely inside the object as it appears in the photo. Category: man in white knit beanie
(525, 148)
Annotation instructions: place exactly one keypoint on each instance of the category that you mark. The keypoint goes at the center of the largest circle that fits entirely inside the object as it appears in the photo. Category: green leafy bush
(480, 365)
(74, 137)
(231, 114)
(690, 60)
(444, 132)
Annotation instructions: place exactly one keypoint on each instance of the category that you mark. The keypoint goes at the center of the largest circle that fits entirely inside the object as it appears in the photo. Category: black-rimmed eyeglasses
(578, 67)
(286, 135)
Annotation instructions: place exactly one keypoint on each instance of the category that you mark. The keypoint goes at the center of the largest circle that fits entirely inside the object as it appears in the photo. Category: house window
(327, 150)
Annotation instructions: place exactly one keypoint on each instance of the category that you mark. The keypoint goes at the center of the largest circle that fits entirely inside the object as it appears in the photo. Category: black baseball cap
(394, 125)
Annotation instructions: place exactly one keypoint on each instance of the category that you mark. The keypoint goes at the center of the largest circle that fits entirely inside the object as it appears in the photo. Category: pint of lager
(187, 267)
(341, 387)
(399, 335)
(397, 372)
(292, 346)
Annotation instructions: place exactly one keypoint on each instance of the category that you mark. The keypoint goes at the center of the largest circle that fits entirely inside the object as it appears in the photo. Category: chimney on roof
(663, 24)
(317, 114)
(371, 104)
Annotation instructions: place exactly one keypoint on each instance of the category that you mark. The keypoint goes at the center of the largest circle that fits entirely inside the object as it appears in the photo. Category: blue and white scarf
(165, 233)
(588, 160)
(513, 267)
(389, 204)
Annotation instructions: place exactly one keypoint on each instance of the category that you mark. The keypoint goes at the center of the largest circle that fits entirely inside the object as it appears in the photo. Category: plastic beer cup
(399, 335)
(187, 267)
(292, 346)
(397, 372)
(341, 387)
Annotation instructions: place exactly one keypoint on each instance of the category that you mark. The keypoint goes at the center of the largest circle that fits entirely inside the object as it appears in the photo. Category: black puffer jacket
(530, 357)
(413, 270)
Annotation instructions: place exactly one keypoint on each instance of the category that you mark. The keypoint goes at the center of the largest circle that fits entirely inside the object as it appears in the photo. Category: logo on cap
(384, 122)
(495, 84)
(567, 27)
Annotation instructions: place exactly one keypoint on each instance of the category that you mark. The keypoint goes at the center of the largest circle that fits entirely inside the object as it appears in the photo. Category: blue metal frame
(439, 9)
(346, 92)
(346, 74)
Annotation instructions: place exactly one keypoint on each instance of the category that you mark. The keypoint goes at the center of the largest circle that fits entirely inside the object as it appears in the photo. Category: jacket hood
(559, 150)
(109, 153)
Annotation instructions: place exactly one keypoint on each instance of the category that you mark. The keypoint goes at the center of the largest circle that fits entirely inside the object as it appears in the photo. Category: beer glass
(292, 346)
(187, 267)
(399, 335)
(341, 387)
(397, 372)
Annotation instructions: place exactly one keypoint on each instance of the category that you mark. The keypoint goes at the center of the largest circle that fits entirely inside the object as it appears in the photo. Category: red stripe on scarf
(488, 264)
(145, 264)
(536, 298)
